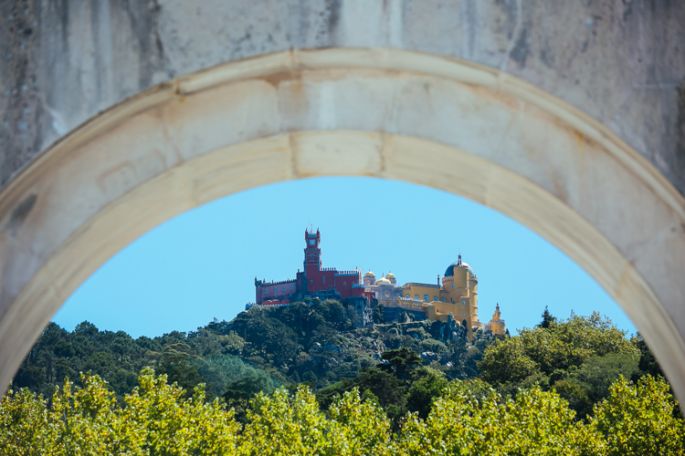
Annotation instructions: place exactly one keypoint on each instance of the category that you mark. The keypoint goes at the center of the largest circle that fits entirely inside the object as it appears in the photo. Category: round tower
(461, 286)
(369, 279)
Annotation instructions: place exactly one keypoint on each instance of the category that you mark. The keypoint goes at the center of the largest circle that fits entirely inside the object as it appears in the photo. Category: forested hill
(315, 343)
(301, 379)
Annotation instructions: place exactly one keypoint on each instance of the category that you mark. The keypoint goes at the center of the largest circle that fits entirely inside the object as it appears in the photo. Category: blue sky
(202, 264)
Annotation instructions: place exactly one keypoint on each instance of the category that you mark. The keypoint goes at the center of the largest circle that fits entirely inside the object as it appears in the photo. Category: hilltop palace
(455, 296)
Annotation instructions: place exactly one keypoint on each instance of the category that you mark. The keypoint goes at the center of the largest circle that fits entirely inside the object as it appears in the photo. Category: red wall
(275, 290)
(314, 279)
(330, 279)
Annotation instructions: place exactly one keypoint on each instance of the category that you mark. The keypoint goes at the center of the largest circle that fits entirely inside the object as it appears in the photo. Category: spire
(459, 260)
(497, 315)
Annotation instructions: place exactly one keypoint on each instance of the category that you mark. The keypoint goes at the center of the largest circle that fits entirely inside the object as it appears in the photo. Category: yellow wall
(441, 310)
(417, 291)
(496, 324)
(497, 327)
(457, 296)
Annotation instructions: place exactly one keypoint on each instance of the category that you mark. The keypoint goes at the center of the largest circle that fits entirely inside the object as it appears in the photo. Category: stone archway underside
(466, 129)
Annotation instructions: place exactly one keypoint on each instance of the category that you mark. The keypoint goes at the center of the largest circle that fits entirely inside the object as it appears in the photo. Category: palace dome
(449, 272)
(383, 281)
(370, 274)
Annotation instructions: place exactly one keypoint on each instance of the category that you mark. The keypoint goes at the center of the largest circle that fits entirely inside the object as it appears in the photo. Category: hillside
(314, 343)
(300, 379)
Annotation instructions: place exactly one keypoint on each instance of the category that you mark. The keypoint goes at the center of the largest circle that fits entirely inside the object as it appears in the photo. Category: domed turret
(391, 277)
(369, 278)
(383, 281)
(449, 272)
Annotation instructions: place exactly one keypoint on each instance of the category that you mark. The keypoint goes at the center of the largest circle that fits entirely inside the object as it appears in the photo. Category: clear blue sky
(202, 264)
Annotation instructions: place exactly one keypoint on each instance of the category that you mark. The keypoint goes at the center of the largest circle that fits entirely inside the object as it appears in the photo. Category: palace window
(425, 297)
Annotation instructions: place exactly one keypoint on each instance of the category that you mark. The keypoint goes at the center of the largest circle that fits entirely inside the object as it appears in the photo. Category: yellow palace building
(457, 296)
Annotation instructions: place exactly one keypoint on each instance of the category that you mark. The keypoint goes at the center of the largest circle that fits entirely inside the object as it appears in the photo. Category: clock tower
(312, 252)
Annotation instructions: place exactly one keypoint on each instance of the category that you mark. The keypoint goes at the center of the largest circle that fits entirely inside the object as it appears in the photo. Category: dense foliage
(399, 384)
(202, 356)
(469, 417)
(580, 358)
(302, 379)
(314, 343)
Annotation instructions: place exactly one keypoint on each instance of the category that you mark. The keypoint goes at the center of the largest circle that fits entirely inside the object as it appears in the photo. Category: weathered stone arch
(425, 112)
(466, 129)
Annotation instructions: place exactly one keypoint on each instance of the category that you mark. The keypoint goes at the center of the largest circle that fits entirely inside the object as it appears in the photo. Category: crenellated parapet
(313, 281)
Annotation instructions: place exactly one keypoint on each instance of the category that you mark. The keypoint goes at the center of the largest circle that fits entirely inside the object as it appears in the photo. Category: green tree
(544, 352)
(23, 423)
(472, 419)
(507, 361)
(547, 319)
(160, 419)
(648, 363)
(589, 383)
(157, 419)
(362, 425)
(387, 388)
(640, 419)
(401, 363)
(469, 417)
(282, 424)
(427, 384)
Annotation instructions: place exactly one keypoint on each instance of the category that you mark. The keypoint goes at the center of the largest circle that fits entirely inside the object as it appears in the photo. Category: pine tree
(547, 319)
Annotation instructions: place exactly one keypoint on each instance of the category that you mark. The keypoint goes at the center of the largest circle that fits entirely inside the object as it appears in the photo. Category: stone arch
(460, 127)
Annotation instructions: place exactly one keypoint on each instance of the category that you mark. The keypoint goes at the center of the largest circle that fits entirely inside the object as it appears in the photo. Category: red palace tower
(314, 281)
